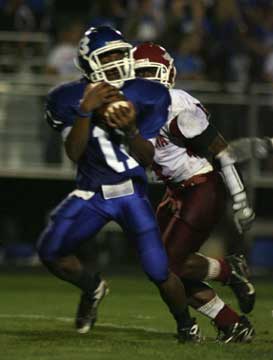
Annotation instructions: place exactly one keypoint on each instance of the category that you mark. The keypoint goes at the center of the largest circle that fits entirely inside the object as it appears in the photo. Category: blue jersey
(106, 160)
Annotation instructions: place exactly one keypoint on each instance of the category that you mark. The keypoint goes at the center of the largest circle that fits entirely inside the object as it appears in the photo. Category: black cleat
(240, 284)
(189, 333)
(241, 331)
(87, 312)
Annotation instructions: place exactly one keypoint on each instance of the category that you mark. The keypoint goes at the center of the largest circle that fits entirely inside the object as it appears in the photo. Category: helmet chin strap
(116, 83)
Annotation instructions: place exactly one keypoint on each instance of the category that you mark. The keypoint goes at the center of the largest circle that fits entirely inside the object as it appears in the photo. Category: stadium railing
(237, 113)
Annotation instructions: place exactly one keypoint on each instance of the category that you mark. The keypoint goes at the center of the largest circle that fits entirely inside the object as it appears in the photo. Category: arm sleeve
(156, 115)
(58, 113)
(207, 141)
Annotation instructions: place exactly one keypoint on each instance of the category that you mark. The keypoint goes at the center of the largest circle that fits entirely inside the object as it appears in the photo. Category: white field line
(71, 320)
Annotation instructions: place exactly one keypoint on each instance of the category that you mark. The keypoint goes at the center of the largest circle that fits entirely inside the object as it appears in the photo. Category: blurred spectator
(104, 12)
(61, 58)
(188, 62)
(16, 15)
(25, 15)
(259, 39)
(43, 12)
(61, 62)
(20, 21)
(268, 68)
(225, 41)
(144, 22)
(182, 16)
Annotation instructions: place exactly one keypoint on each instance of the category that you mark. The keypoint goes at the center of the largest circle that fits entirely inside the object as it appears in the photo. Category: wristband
(80, 113)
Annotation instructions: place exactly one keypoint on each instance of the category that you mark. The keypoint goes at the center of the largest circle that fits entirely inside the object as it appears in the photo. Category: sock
(184, 319)
(226, 317)
(218, 269)
(219, 312)
(225, 271)
(88, 283)
(212, 308)
(80, 278)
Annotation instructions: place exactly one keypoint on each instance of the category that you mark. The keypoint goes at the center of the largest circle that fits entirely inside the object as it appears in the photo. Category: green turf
(36, 323)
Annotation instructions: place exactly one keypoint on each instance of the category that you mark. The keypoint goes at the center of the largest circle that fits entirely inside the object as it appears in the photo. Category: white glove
(243, 213)
(245, 149)
(262, 147)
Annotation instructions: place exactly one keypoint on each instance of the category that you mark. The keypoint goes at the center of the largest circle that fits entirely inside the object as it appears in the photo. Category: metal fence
(30, 149)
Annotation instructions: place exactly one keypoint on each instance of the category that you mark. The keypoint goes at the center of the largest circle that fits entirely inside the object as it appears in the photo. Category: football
(110, 108)
(104, 109)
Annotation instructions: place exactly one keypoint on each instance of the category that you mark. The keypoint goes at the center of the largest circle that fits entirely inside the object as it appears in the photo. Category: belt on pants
(193, 181)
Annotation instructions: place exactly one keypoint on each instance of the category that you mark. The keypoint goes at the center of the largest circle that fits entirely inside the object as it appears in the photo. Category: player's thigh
(181, 240)
(71, 223)
(204, 204)
(137, 215)
(140, 225)
(202, 207)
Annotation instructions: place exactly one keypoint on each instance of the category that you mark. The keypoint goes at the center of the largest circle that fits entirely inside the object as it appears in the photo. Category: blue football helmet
(96, 43)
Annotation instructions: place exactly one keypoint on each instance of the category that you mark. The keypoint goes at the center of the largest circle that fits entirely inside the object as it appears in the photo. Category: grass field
(36, 318)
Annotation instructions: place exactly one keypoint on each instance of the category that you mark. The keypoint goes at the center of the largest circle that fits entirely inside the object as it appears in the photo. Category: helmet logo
(167, 57)
(83, 47)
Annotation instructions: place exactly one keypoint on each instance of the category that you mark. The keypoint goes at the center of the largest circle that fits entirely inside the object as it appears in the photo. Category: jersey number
(109, 152)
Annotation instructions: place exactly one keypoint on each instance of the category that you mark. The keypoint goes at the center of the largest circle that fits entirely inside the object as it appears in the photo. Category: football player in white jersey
(195, 200)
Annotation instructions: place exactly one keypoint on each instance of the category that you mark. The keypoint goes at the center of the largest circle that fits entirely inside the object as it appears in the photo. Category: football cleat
(87, 313)
(189, 333)
(240, 284)
(241, 331)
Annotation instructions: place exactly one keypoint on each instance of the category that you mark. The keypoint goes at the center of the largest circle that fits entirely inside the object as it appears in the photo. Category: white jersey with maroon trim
(187, 119)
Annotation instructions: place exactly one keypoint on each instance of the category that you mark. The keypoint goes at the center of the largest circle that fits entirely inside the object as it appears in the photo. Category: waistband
(110, 191)
(193, 181)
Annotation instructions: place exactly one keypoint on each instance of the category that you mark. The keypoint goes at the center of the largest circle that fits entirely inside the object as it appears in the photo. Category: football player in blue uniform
(111, 179)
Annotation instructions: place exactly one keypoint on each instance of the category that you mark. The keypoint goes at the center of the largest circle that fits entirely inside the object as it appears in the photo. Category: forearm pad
(231, 176)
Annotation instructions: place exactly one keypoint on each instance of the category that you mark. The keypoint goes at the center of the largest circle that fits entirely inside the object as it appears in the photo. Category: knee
(188, 266)
(47, 256)
(158, 276)
(156, 267)
(196, 288)
(61, 266)
(45, 248)
(194, 267)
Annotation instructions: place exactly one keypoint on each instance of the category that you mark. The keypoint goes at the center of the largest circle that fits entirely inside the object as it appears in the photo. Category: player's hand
(123, 118)
(261, 147)
(247, 148)
(174, 205)
(95, 95)
(243, 216)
